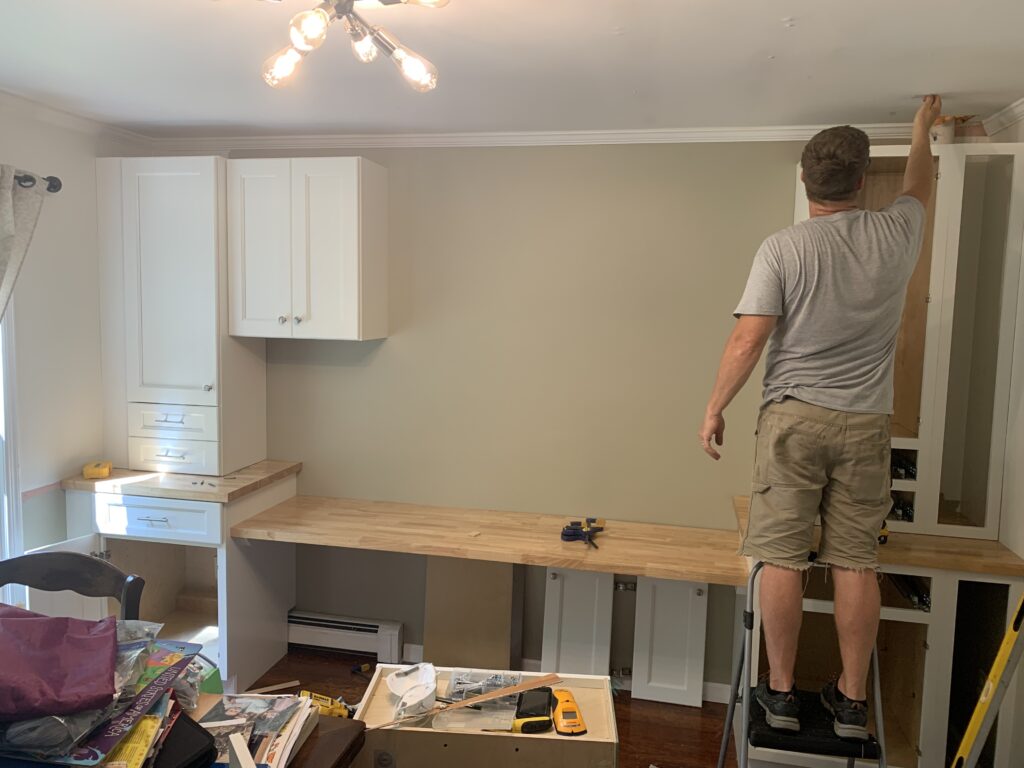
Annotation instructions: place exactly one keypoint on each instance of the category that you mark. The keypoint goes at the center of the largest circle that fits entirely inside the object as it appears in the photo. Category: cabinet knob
(282, 319)
(207, 387)
(298, 319)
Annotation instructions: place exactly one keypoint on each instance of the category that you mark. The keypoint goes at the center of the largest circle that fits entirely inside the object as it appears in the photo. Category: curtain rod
(27, 180)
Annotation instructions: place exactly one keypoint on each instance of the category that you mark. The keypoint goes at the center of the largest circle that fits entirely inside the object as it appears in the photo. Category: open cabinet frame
(933, 312)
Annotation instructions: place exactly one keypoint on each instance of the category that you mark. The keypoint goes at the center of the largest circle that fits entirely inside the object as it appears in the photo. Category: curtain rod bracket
(27, 181)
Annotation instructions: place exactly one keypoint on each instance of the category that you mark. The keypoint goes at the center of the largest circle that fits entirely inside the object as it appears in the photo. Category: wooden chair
(83, 574)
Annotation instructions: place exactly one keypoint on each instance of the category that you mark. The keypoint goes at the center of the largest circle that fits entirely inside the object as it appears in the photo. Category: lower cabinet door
(577, 622)
(668, 641)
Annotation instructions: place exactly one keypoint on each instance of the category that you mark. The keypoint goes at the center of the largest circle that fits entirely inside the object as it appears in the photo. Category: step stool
(816, 736)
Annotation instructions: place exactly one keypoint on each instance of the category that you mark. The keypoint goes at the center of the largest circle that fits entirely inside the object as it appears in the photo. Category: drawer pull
(166, 419)
(168, 455)
(163, 520)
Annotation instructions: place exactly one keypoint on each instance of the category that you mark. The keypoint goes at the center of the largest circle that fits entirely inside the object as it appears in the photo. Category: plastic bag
(57, 735)
(186, 687)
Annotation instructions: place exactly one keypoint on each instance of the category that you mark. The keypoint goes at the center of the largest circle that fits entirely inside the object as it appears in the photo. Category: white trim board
(1004, 118)
(226, 144)
(717, 693)
(12, 103)
(412, 653)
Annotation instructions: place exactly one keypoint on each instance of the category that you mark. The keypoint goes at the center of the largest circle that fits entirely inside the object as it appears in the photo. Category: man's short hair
(834, 161)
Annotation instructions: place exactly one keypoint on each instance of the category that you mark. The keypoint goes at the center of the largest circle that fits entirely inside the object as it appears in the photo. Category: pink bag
(54, 666)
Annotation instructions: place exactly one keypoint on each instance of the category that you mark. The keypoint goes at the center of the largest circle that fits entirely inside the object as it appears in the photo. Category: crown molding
(15, 105)
(1004, 118)
(228, 144)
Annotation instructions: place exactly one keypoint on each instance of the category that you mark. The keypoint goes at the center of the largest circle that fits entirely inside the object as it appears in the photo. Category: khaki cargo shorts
(811, 461)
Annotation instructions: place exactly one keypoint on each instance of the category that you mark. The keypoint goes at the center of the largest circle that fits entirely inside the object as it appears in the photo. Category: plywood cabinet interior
(308, 248)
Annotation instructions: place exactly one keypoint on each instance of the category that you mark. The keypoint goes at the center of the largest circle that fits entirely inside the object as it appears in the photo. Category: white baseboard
(717, 693)
(530, 665)
(411, 653)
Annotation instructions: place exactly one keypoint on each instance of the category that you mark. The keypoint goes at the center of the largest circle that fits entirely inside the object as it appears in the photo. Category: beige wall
(558, 315)
(56, 305)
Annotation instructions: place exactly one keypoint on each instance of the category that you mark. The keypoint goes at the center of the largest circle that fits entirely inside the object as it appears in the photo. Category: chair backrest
(84, 574)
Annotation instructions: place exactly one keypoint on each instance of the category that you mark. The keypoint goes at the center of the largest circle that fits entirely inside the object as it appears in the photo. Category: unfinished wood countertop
(169, 485)
(941, 553)
(640, 549)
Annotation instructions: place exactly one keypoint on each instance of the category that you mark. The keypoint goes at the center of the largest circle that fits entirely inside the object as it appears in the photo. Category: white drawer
(179, 422)
(190, 457)
(143, 517)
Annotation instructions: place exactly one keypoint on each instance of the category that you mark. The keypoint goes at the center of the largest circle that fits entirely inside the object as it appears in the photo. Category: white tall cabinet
(181, 395)
(308, 248)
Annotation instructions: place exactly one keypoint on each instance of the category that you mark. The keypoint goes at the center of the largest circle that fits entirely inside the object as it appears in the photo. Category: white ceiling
(191, 67)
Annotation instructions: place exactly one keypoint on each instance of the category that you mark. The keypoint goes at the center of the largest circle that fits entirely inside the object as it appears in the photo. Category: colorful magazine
(166, 663)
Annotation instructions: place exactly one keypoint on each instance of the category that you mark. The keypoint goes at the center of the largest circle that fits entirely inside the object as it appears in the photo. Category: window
(11, 544)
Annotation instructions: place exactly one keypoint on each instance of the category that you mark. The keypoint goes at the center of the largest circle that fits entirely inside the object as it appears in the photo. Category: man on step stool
(827, 296)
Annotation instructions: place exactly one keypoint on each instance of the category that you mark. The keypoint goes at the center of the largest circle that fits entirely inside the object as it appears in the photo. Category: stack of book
(129, 737)
(273, 728)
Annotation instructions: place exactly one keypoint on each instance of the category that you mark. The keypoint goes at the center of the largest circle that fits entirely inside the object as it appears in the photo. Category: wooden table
(639, 549)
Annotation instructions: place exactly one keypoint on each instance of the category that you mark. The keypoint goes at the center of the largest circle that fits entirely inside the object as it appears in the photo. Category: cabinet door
(259, 248)
(668, 646)
(171, 210)
(577, 622)
(325, 248)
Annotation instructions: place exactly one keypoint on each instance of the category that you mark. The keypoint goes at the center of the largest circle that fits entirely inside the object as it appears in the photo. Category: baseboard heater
(343, 633)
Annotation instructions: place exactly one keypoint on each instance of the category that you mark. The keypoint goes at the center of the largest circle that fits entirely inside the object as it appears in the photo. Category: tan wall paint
(557, 317)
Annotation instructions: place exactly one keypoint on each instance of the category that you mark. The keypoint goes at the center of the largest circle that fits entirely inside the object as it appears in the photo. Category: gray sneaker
(781, 710)
(851, 716)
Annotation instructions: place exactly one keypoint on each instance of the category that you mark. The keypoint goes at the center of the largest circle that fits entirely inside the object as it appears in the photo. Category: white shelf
(906, 615)
(905, 485)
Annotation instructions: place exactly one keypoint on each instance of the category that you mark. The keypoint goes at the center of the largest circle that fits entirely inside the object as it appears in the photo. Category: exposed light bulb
(417, 71)
(309, 29)
(362, 40)
(281, 66)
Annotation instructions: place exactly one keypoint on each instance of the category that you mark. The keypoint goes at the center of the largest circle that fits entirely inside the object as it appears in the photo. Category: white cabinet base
(668, 645)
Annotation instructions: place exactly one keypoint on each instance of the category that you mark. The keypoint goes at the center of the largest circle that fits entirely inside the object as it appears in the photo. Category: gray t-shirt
(837, 284)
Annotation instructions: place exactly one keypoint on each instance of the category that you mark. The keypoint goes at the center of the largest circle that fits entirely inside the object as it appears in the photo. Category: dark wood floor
(662, 735)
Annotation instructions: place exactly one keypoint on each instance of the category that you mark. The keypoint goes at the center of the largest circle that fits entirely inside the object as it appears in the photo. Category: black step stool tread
(816, 736)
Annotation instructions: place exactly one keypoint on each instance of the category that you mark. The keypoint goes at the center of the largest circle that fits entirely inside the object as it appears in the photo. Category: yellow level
(992, 694)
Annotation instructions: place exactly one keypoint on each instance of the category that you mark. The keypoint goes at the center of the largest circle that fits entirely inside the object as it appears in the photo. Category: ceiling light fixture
(308, 30)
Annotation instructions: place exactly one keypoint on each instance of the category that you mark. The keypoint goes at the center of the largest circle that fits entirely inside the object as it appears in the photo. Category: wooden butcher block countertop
(640, 549)
(168, 485)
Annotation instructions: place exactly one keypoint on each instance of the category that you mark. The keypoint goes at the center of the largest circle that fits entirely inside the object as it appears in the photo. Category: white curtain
(20, 204)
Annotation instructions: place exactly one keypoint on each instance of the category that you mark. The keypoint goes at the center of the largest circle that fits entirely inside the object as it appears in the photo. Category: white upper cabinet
(308, 248)
(170, 210)
(259, 247)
